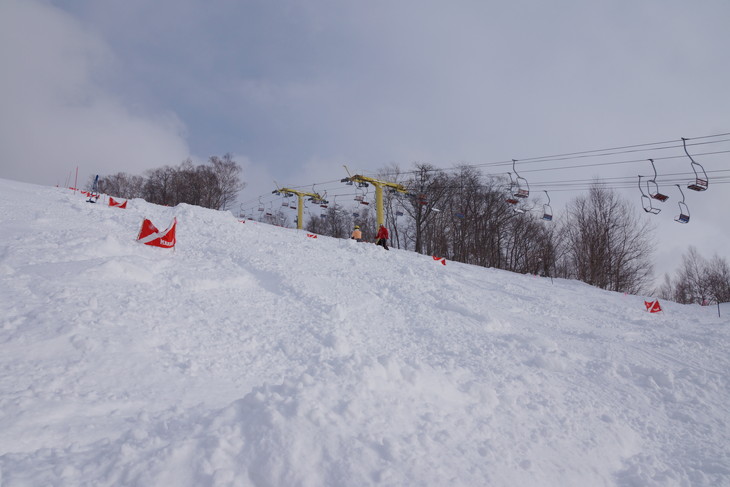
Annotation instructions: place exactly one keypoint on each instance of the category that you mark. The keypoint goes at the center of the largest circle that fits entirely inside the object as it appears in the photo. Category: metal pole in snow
(76, 181)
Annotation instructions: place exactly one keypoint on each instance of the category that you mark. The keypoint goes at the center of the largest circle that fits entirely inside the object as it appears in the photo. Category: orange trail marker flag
(150, 235)
(118, 204)
(652, 306)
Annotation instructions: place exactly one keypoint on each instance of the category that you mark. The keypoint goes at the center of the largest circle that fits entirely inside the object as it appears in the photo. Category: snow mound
(252, 355)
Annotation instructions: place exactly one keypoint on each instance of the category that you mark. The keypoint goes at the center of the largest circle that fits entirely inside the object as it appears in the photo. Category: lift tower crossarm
(300, 201)
(379, 185)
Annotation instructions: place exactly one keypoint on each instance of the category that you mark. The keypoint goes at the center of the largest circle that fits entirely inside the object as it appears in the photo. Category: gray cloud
(296, 89)
(57, 112)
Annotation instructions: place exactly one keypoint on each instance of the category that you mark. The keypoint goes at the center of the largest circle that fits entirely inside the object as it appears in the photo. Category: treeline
(698, 280)
(213, 185)
(464, 216)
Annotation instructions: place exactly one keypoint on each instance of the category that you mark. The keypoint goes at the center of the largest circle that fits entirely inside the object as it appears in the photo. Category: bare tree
(122, 185)
(698, 280)
(666, 289)
(337, 222)
(427, 186)
(606, 244)
(692, 274)
(211, 186)
(228, 182)
(718, 275)
(158, 187)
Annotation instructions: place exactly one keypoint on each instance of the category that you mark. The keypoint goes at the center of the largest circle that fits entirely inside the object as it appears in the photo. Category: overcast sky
(295, 89)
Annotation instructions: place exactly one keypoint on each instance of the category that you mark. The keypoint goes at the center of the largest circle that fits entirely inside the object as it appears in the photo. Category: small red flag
(118, 204)
(311, 235)
(652, 306)
(443, 261)
(150, 235)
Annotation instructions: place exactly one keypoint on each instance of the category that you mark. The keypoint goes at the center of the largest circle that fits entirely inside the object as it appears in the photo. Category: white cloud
(56, 114)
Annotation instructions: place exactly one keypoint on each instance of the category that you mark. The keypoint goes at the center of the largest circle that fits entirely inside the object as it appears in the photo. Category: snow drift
(252, 355)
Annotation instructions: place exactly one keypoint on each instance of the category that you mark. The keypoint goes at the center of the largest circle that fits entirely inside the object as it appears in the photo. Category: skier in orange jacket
(382, 237)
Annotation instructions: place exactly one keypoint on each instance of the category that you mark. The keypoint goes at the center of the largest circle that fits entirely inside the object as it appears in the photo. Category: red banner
(443, 261)
(150, 235)
(117, 204)
(652, 306)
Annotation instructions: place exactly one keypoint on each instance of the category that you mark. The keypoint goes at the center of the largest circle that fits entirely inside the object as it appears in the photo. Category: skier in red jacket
(382, 237)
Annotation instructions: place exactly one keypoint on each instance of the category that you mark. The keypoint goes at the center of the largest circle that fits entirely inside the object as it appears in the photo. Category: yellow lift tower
(363, 181)
(313, 197)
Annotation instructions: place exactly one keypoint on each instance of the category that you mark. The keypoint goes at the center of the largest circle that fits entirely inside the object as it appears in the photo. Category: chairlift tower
(314, 197)
(379, 185)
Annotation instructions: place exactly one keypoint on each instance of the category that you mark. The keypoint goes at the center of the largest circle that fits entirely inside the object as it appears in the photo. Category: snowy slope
(256, 356)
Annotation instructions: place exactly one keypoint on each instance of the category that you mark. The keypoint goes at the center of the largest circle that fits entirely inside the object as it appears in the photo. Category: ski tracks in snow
(253, 355)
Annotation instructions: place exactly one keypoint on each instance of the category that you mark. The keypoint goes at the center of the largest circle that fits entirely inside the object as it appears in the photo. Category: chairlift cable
(590, 153)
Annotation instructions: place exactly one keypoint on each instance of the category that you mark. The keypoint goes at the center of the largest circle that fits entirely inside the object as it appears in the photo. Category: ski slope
(252, 355)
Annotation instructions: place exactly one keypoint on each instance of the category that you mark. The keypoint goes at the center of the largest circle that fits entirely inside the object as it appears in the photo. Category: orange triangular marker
(150, 235)
(652, 306)
(118, 204)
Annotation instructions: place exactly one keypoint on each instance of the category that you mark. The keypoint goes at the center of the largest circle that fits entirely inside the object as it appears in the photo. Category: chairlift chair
(700, 183)
(322, 202)
(652, 183)
(683, 216)
(365, 196)
(362, 198)
(646, 201)
(510, 198)
(547, 211)
(523, 188)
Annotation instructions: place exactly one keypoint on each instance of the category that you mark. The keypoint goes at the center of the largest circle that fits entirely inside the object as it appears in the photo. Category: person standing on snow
(382, 237)
(357, 234)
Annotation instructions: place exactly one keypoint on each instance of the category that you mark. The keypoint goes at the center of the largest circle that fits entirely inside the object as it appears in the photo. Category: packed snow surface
(252, 355)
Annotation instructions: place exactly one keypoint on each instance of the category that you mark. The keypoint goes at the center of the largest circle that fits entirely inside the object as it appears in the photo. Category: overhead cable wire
(583, 154)
(611, 151)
